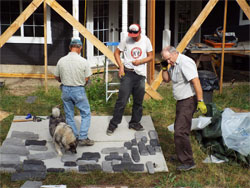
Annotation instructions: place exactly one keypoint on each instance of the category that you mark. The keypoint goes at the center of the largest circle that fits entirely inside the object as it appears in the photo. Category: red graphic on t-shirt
(136, 52)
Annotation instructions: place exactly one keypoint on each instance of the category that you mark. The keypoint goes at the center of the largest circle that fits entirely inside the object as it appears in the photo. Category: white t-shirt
(181, 74)
(135, 50)
(73, 69)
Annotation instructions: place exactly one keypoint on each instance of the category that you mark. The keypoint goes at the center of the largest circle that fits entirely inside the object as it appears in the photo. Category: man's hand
(164, 65)
(121, 72)
(202, 107)
(136, 62)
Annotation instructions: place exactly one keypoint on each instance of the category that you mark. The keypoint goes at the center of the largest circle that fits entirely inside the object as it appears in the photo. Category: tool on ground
(34, 119)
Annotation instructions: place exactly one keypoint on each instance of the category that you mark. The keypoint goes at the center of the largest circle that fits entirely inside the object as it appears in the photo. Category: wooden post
(223, 46)
(19, 21)
(189, 35)
(151, 35)
(45, 46)
(95, 41)
(245, 7)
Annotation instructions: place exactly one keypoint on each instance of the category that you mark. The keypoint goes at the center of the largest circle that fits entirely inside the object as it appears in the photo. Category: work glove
(202, 107)
(164, 65)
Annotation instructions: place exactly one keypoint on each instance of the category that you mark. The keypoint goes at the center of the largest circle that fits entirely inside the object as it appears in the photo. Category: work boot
(86, 142)
(110, 130)
(136, 126)
(186, 167)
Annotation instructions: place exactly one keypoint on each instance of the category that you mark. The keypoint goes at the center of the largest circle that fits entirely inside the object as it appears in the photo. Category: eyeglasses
(135, 32)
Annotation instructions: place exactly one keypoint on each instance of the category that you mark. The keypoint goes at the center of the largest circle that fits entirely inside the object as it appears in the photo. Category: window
(32, 29)
(243, 18)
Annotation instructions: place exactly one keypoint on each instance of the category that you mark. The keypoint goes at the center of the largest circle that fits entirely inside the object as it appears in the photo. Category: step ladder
(110, 67)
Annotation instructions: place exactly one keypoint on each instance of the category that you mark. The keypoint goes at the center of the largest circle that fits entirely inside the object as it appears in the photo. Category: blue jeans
(134, 84)
(76, 96)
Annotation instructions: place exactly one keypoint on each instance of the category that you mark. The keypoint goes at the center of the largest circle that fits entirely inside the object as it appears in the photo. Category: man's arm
(144, 60)
(58, 78)
(119, 62)
(198, 89)
(165, 76)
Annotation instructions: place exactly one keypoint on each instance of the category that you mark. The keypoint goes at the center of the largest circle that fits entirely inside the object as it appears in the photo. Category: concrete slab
(97, 132)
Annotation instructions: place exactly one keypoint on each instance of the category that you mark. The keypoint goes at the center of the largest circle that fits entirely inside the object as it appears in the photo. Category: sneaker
(136, 126)
(86, 142)
(110, 130)
(186, 167)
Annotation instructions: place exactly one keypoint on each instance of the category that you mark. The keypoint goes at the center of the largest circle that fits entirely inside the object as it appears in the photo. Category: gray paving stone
(144, 139)
(34, 162)
(107, 166)
(128, 166)
(9, 160)
(154, 142)
(14, 141)
(90, 156)
(139, 135)
(33, 167)
(150, 167)
(113, 156)
(24, 135)
(42, 156)
(37, 148)
(150, 149)
(70, 163)
(84, 162)
(89, 167)
(32, 184)
(7, 169)
(142, 149)
(157, 148)
(153, 134)
(35, 142)
(58, 170)
(135, 154)
(134, 142)
(126, 158)
(68, 157)
(12, 149)
(128, 145)
(119, 150)
(114, 162)
(28, 176)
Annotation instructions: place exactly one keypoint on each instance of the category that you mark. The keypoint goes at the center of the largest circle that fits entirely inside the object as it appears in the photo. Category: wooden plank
(245, 7)
(223, 46)
(189, 35)
(19, 21)
(151, 35)
(23, 75)
(45, 46)
(95, 41)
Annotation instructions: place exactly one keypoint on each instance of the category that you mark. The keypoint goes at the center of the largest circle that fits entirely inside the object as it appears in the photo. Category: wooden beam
(45, 46)
(23, 75)
(95, 41)
(151, 35)
(189, 35)
(19, 21)
(245, 7)
(223, 46)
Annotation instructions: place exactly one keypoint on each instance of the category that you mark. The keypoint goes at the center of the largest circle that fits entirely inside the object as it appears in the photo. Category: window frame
(32, 40)
(241, 20)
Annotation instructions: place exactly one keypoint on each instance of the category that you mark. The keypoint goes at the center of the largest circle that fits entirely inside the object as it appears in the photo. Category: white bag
(235, 129)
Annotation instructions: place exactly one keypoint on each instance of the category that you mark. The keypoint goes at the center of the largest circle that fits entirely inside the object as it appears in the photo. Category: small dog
(63, 136)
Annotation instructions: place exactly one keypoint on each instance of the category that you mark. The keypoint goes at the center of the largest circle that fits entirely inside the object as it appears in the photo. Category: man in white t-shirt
(137, 50)
(188, 92)
(73, 71)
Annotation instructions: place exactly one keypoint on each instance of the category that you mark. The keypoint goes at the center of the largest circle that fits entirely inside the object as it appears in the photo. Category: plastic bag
(197, 123)
(236, 131)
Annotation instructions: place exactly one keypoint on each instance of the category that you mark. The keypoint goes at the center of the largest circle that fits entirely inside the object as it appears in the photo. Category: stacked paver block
(30, 170)
(32, 184)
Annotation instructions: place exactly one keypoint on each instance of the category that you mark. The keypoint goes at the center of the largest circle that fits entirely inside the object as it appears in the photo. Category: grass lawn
(162, 112)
